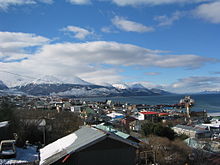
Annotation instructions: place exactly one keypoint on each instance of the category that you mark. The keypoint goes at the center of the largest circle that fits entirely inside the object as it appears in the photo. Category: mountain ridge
(3, 86)
(74, 86)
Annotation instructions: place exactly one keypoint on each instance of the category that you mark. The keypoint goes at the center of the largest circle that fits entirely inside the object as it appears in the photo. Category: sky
(168, 44)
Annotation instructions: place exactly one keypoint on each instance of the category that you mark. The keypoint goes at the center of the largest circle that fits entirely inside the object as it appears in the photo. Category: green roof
(110, 129)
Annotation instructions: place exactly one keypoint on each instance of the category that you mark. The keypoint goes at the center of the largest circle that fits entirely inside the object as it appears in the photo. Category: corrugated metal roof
(68, 144)
(109, 129)
(82, 138)
(185, 127)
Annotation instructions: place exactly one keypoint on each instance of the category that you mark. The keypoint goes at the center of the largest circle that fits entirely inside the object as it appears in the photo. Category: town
(55, 130)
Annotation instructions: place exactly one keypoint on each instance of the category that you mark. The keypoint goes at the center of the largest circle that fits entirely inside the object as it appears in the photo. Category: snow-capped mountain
(74, 86)
(47, 79)
(210, 92)
(136, 86)
(120, 86)
(13, 81)
(2, 85)
(89, 92)
(75, 80)
(159, 91)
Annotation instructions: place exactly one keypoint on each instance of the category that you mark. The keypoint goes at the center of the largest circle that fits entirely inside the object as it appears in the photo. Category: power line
(17, 74)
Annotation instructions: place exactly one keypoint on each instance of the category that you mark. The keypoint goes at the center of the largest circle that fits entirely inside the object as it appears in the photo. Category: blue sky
(169, 44)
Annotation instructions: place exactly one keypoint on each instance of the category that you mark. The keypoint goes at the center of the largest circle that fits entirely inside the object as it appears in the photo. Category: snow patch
(56, 147)
(4, 124)
(120, 86)
(86, 92)
(29, 154)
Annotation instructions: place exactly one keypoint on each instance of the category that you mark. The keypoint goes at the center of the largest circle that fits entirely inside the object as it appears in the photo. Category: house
(214, 126)
(205, 145)
(66, 105)
(146, 115)
(191, 131)
(90, 146)
(115, 115)
(76, 108)
(129, 122)
(117, 132)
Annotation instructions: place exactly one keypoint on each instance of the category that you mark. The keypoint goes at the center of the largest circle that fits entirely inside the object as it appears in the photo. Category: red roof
(149, 113)
(163, 114)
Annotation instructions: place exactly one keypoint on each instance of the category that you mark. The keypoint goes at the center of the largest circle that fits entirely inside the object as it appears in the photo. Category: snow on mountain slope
(14, 92)
(70, 86)
(84, 92)
(75, 80)
(12, 80)
(159, 91)
(47, 79)
(2, 85)
(120, 86)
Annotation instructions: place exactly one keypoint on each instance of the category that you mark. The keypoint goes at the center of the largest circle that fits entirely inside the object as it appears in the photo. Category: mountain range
(2, 86)
(74, 87)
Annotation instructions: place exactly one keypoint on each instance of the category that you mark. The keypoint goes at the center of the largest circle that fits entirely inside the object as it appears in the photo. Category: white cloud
(13, 45)
(46, 1)
(153, 2)
(5, 4)
(107, 29)
(79, 2)
(96, 61)
(79, 33)
(196, 84)
(209, 12)
(164, 20)
(130, 26)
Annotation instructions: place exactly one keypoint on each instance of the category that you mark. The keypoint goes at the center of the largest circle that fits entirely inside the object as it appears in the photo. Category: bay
(208, 102)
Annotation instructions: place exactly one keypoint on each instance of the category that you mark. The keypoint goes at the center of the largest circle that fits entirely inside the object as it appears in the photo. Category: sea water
(208, 102)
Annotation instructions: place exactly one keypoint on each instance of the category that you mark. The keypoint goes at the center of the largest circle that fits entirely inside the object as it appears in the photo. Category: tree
(158, 129)
(28, 131)
(169, 152)
(6, 110)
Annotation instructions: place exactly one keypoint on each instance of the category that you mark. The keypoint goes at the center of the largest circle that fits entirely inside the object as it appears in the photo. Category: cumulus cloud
(153, 2)
(196, 84)
(165, 20)
(130, 26)
(79, 2)
(96, 61)
(79, 33)
(13, 46)
(209, 12)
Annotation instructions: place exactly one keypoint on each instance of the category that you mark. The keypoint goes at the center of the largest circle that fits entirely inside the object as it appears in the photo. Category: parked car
(7, 149)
